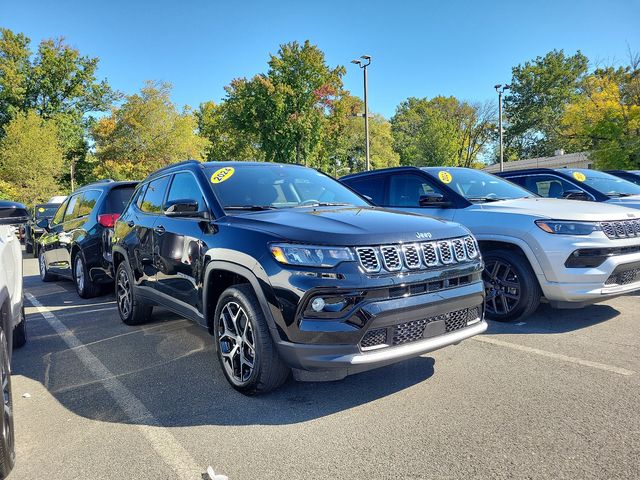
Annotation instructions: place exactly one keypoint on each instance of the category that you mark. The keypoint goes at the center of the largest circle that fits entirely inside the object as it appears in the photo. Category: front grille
(391, 258)
(414, 256)
(413, 331)
(624, 278)
(374, 338)
(621, 229)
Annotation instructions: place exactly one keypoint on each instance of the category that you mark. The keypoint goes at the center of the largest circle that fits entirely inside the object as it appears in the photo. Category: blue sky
(419, 48)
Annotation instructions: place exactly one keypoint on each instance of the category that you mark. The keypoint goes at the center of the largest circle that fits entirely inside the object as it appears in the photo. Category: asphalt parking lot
(555, 397)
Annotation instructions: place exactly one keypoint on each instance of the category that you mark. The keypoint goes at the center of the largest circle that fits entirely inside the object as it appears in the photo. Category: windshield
(477, 186)
(45, 211)
(605, 183)
(268, 186)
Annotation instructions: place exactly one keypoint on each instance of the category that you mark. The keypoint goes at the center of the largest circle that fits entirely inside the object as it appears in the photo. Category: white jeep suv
(13, 332)
(569, 252)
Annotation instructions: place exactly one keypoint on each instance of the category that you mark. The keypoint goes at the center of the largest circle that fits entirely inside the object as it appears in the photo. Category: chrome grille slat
(445, 252)
(458, 249)
(411, 256)
(429, 254)
(391, 258)
(471, 247)
(368, 257)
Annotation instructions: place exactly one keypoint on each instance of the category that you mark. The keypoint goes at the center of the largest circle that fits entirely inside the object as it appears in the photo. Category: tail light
(108, 219)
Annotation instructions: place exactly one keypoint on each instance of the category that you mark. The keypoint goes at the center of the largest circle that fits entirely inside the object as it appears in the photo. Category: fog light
(317, 304)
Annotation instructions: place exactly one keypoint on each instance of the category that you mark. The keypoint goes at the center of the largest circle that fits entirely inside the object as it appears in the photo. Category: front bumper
(575, 287)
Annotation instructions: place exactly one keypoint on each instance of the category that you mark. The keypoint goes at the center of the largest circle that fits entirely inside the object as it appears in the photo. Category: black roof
(529, 170)
(381, 170)
(193, 164)
(106, 185)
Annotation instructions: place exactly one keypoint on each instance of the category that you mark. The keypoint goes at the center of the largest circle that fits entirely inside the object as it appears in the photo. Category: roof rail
(173, 165)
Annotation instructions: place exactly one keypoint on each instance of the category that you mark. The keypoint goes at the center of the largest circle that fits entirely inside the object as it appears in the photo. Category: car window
(185, 187)
(73, 208)
(476, 185)
(605, 183)
(57, 218)
(405, 190)
(372, 186)
(153, 197)
(42, 211)
(549, 186)
(140, 195)
(117, 199)
(88, 202)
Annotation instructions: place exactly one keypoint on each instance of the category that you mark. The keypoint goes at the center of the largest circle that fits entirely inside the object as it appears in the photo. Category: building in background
(561, 160)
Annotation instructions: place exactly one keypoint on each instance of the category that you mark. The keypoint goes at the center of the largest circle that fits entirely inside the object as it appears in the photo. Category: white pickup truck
(13, 332)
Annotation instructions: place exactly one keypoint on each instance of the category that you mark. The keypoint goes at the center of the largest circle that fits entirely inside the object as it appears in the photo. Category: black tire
(512, 289)
(85, 287)
(20, 332)
(7, 438)
(136, 311)
(45, 275)
(268, 371)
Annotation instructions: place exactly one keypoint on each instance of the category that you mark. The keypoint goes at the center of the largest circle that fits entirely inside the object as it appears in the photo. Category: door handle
(131, 224)
(159, 229)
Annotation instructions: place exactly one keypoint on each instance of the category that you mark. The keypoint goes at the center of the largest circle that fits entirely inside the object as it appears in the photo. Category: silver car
(569, 252)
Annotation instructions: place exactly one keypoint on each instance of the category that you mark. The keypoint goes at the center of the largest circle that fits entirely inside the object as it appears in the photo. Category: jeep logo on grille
(426, 235)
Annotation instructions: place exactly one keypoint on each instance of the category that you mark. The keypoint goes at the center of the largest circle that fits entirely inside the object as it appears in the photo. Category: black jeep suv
(289, 269)
(32, 231)
(77, 240)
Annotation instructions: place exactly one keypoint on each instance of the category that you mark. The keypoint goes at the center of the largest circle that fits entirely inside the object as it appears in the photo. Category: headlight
(310, 255)
(560, 227)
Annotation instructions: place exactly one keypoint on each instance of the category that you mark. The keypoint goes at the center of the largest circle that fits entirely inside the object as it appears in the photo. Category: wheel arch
(220, 275)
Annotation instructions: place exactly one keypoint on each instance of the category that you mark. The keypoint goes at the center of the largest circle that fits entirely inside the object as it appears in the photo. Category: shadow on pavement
(552, 320)
(169, 364)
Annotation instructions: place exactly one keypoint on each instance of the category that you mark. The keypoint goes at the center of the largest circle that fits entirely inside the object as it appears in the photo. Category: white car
(13, 332)
(569, 252)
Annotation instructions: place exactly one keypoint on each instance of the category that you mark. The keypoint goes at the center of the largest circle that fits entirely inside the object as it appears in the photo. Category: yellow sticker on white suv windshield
(581, 177)
(222, 174)
(445, 177)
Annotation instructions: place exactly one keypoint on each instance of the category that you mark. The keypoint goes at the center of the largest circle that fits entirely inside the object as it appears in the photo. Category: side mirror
(433, 200)
(575, 195)
(12, 213)
(43, 223)
(183, 208)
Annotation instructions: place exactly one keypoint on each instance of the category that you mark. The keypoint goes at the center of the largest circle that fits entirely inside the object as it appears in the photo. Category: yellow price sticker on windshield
(445, 177)
(41, 209)
(581, 177)
(222, 174)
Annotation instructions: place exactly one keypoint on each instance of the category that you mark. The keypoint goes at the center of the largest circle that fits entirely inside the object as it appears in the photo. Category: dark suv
(289, 269)
(77, 241)
(32, 231)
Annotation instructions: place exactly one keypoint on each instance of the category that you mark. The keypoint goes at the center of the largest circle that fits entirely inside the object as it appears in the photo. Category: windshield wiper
(254, 208)
(325, 204)
(485, 199)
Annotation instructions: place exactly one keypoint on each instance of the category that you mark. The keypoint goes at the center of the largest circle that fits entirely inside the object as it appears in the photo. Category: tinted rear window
(43, 211)
(118, 199)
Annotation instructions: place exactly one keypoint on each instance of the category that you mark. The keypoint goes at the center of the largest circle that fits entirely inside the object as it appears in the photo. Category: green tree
(540, 91)
(58, 83)
(30, 158)
(605, 118)
(226, 141)
(146, 133)
(288, 108)
(442, 131)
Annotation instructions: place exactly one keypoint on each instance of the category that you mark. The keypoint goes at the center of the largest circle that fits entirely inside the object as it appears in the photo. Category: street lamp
(501, 89)
(363, 62)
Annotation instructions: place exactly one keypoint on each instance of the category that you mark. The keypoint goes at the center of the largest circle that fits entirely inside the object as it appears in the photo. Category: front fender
(524, 246)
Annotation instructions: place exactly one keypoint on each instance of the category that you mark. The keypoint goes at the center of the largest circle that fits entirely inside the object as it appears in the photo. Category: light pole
(363, 62)
(501, 89)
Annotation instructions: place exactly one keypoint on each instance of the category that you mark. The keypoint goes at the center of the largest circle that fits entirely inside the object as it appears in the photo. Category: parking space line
(556, 356)
(158, 436)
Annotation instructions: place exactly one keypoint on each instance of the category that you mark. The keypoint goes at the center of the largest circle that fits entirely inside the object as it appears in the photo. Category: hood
(346, 226)
(559, 209)
(630, 202)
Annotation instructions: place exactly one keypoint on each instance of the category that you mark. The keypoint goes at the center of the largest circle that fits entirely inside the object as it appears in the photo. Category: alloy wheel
(123, 293)
(43, 265)
(236, 342)
(7, 404)
(79, 274)
(502, 287)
